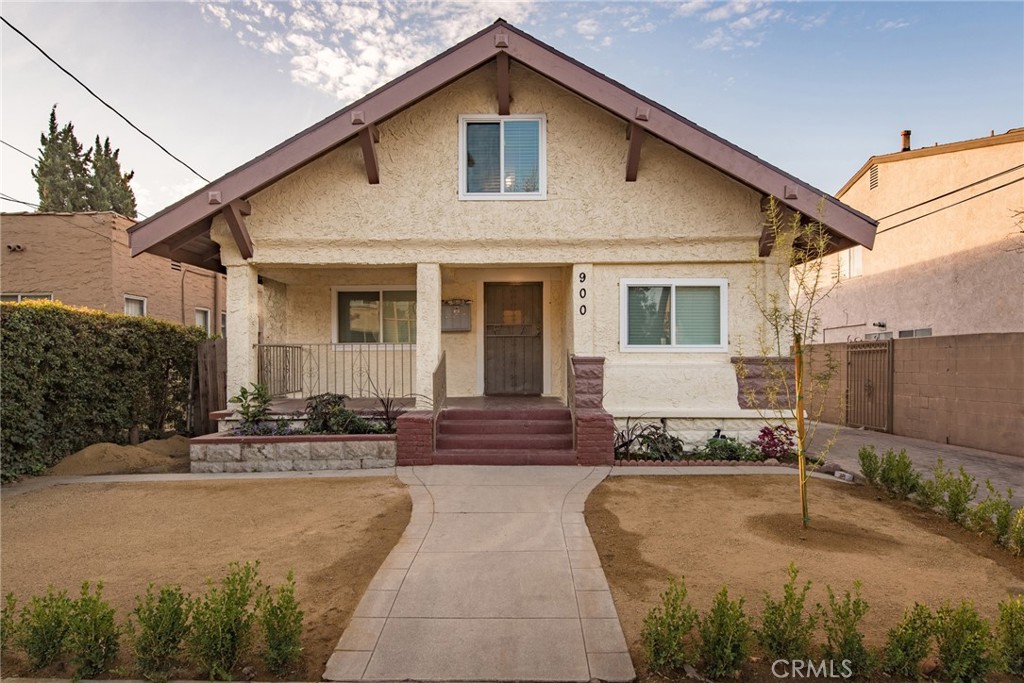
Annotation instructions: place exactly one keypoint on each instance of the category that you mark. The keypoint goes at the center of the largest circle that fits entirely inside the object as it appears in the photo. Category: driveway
(1002, 470)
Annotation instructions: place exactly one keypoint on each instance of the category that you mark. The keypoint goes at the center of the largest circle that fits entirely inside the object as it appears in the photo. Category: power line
(104, 102)
(943, 196)
(19, 151)
(950, 206)
(9, 198)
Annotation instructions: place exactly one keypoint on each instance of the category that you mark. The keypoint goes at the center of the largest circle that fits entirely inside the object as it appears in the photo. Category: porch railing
(359, 370)
(570, 393)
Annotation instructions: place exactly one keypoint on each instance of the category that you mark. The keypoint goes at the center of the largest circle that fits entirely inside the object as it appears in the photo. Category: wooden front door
(513, 339)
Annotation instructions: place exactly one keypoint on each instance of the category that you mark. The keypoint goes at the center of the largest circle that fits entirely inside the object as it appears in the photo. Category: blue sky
(813, 87)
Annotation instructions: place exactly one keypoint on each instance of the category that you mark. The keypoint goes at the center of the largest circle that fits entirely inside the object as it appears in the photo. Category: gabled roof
(1010, 136)
(182, 229)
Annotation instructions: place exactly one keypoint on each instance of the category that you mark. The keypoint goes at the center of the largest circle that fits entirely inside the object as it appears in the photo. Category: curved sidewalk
(495, 579)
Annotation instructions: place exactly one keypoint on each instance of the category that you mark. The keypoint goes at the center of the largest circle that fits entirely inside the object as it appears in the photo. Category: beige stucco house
(949, 255)
(506, 208)
(83, 259)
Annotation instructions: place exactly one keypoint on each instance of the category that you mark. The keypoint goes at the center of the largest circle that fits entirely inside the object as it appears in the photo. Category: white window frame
(542, 152)
(208, 321)
(29, 296)
(380, 289)
(672, 283)
(224, 324)
(133, 297)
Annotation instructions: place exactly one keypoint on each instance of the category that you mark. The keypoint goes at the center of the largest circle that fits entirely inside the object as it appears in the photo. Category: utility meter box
(456, 316)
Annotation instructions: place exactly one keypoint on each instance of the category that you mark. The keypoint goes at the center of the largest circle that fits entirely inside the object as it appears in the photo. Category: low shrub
(1010, 635)
(963, 643)
(158, 626)
(843, 640)
(908, 643)
(8, 622)
(281, 619)
(992, 515)
(223, 620)
(869, 464)
(667, 628)
(646, 441)
(951, 493)
(1015, 536)
(93, 637)
(897, 476)
(786, 628)
(727, 448)
(327, 414)
(43, 627)
(724, 636)
(776, 442)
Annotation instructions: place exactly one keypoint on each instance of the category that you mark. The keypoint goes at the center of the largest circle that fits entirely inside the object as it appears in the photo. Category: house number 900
(583, 293)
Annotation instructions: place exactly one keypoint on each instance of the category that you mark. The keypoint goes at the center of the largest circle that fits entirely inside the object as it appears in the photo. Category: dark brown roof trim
(643, 113)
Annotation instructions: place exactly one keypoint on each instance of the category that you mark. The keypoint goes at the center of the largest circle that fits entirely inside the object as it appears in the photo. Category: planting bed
(744, 531)
(334, 533)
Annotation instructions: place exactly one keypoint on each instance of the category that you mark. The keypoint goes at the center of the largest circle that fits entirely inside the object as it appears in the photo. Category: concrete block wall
(966, 390)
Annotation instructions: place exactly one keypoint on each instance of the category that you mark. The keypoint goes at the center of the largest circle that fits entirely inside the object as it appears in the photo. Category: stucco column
(583, 309)
(243, 326)
(428, 329)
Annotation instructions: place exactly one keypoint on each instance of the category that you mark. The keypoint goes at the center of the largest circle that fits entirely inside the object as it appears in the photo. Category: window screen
(698, 316)
(522, 156)
(400, 317)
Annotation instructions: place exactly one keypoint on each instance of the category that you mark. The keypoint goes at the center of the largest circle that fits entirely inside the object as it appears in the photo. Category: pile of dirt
(154, 456)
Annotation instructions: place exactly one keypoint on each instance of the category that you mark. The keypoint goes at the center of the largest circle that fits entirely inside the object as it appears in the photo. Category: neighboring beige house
(506, 206)
(949, 255)
(83, 259)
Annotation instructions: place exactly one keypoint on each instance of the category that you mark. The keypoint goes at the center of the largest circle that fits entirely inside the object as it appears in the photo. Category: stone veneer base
(215, 453)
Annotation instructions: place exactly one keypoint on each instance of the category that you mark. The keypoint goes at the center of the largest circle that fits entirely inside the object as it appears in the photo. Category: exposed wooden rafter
(635, 135)
(504, 94)
(368, 138)
(185, 236)
(233, 213)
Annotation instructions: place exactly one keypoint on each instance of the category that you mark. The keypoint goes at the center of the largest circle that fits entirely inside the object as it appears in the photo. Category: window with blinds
(666, 315)
(502, 157)
(376, 317)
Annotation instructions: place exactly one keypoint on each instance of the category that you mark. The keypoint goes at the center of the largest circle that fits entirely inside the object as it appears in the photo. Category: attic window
(502, 157)
(873, 177)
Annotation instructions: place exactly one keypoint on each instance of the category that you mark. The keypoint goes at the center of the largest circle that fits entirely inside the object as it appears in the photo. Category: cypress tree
(109, 189)
(62, 175)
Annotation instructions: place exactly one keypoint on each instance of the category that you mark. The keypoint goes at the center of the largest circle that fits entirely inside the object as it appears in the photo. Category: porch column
(428, 329)
(582, 309)
(243, 326)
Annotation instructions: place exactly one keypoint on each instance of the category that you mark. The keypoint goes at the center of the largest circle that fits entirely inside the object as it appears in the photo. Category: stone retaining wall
(306, 453)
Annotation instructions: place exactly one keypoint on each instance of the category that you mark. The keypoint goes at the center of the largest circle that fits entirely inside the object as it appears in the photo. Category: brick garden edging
(217, 453)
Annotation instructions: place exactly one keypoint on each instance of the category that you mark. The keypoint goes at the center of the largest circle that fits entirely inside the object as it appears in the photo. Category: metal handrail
(440, 392)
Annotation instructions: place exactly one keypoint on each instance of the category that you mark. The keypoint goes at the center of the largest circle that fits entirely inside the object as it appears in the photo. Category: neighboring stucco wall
(84, 260)
(959, 267)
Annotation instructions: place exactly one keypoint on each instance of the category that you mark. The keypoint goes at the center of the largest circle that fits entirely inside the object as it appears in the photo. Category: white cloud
(691, 7)
(587, 28)
(739, 23)
(893, 24)
(350, 47)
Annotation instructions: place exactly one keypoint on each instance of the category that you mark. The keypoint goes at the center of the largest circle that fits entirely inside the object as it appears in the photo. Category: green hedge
(73, 377)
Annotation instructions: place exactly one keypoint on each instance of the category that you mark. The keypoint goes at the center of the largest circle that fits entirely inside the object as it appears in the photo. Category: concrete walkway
(495, 579)
(1002, 470)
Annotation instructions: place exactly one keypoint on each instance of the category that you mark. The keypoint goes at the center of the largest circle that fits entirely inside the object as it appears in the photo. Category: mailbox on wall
(455, 315)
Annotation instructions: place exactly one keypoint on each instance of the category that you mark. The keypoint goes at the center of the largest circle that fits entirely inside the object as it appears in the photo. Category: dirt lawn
(743, 531)
(334, 533)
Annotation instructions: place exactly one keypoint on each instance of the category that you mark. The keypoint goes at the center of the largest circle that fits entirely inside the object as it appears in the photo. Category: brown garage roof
(181, 231)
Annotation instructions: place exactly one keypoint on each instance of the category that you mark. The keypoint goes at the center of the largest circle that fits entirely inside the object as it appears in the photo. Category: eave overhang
(498, 43)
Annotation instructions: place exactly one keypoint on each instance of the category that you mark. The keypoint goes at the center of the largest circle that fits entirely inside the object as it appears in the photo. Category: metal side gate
(869, 385)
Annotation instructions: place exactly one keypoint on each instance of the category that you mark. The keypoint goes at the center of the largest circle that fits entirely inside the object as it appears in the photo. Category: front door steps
(507, 436)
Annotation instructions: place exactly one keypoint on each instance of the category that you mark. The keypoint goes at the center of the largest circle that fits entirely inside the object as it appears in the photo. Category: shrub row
(951, 493)
(166, 628)
(74, 377)
(675, 636)
(324, 414)
(651, 441)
